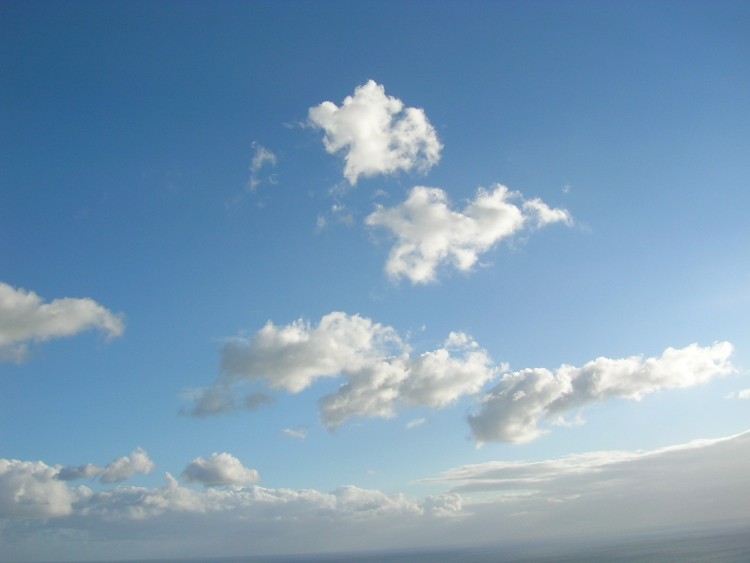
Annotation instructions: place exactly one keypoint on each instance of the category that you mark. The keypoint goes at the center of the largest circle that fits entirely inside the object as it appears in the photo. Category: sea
(704, 546)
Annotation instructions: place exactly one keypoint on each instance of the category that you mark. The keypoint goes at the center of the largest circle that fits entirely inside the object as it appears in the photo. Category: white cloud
(515, 408)
(595, 493)
(378, 366)
(430, 234)
(415, 423)
(703, 480)
(378, 134)
(218, 470)
(743, 394)
(299, 434)
(262, 157)
(30, 489)
(25, 318)
(126, 467)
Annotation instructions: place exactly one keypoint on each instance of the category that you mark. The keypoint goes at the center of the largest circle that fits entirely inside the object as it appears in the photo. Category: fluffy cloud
(514, 409)
(120, 469)
(219, 470)
(380, 370)
(30, 489)
(126, 466)
(429, 233)
(378, 134)
(25, 318)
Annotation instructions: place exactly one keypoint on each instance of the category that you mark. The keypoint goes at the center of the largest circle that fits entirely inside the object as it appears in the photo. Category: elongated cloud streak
(515, 408)
(377, 133)
(430, 234)
(25, 318)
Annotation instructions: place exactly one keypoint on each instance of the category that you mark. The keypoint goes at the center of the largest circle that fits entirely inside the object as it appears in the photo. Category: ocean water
(706, 547)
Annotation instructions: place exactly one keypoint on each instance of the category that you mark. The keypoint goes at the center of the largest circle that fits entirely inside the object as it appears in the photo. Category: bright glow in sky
(308, 276)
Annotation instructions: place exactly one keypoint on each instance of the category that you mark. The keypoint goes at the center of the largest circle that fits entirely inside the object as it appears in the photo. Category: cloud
(25, 318)
(75, 472)
(126, 467)
(261, 157)
(743, 394)
(380, 371)
(377, 133)
(30, 489)
(594, 493)
(219, 470)
(430, 234)
(415, 423)
(612, 491)
(292, 433)
(209, 401)
(515, 408)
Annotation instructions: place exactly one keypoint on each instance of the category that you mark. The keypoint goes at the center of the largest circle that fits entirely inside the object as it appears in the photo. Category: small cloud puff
(377, 133)
(219, 470)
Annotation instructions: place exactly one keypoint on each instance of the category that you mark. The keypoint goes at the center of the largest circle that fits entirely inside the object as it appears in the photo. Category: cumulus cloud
(377, 133)
(30, 489)
(514, 410)
(378, 366)
(25, 318)
(126, 467)
(218, 470)
(430, 234)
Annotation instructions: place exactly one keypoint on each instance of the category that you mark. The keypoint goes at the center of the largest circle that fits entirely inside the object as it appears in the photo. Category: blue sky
(371, 256)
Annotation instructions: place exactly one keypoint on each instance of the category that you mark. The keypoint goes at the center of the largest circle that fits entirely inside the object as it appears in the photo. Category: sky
(295, 277)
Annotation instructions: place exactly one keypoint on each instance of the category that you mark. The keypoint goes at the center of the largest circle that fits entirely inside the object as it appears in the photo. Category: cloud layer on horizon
(688, 484)
(377, 133)
(25, 318)
(429, 234)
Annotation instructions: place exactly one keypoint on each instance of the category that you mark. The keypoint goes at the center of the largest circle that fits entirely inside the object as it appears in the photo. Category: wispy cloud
(262, 157)
(377, 133)
(514, 409)
(25, 318)
(430, 234)
(743, 394)
(415, 423)
(299, 434)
